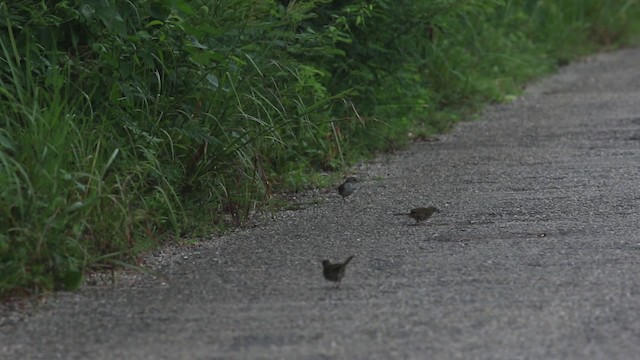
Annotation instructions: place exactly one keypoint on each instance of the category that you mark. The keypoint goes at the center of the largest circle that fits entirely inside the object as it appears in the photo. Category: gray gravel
(534, 255)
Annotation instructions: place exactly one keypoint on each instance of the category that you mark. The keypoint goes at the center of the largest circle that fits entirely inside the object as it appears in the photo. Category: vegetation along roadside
(126, 124)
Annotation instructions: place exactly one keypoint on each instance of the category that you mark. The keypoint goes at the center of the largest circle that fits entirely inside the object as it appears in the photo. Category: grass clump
(125, 124)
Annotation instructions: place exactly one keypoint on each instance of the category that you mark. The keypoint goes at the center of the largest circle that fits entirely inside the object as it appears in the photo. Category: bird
(334, 272)
(421, 213)
(347, 187)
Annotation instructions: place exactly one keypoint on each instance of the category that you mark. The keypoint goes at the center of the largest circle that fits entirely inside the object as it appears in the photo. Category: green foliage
(122, 122)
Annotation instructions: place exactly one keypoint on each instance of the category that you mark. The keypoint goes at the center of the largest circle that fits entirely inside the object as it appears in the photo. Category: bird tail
(348, 259)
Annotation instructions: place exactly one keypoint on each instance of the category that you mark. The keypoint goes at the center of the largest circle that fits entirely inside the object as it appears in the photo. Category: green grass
(129, 124)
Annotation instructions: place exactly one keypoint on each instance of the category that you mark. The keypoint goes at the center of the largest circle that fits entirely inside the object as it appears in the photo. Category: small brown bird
(347, 187)
(421, 214)
(334, 272)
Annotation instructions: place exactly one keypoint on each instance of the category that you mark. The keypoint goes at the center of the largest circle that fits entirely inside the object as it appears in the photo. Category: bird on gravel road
(347, 187)
(421, 213)
(334, 272)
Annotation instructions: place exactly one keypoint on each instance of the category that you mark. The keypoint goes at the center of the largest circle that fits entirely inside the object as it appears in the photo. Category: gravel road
(534, 255)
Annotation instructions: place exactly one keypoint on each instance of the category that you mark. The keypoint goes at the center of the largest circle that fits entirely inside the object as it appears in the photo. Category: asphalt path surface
(534, 255)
